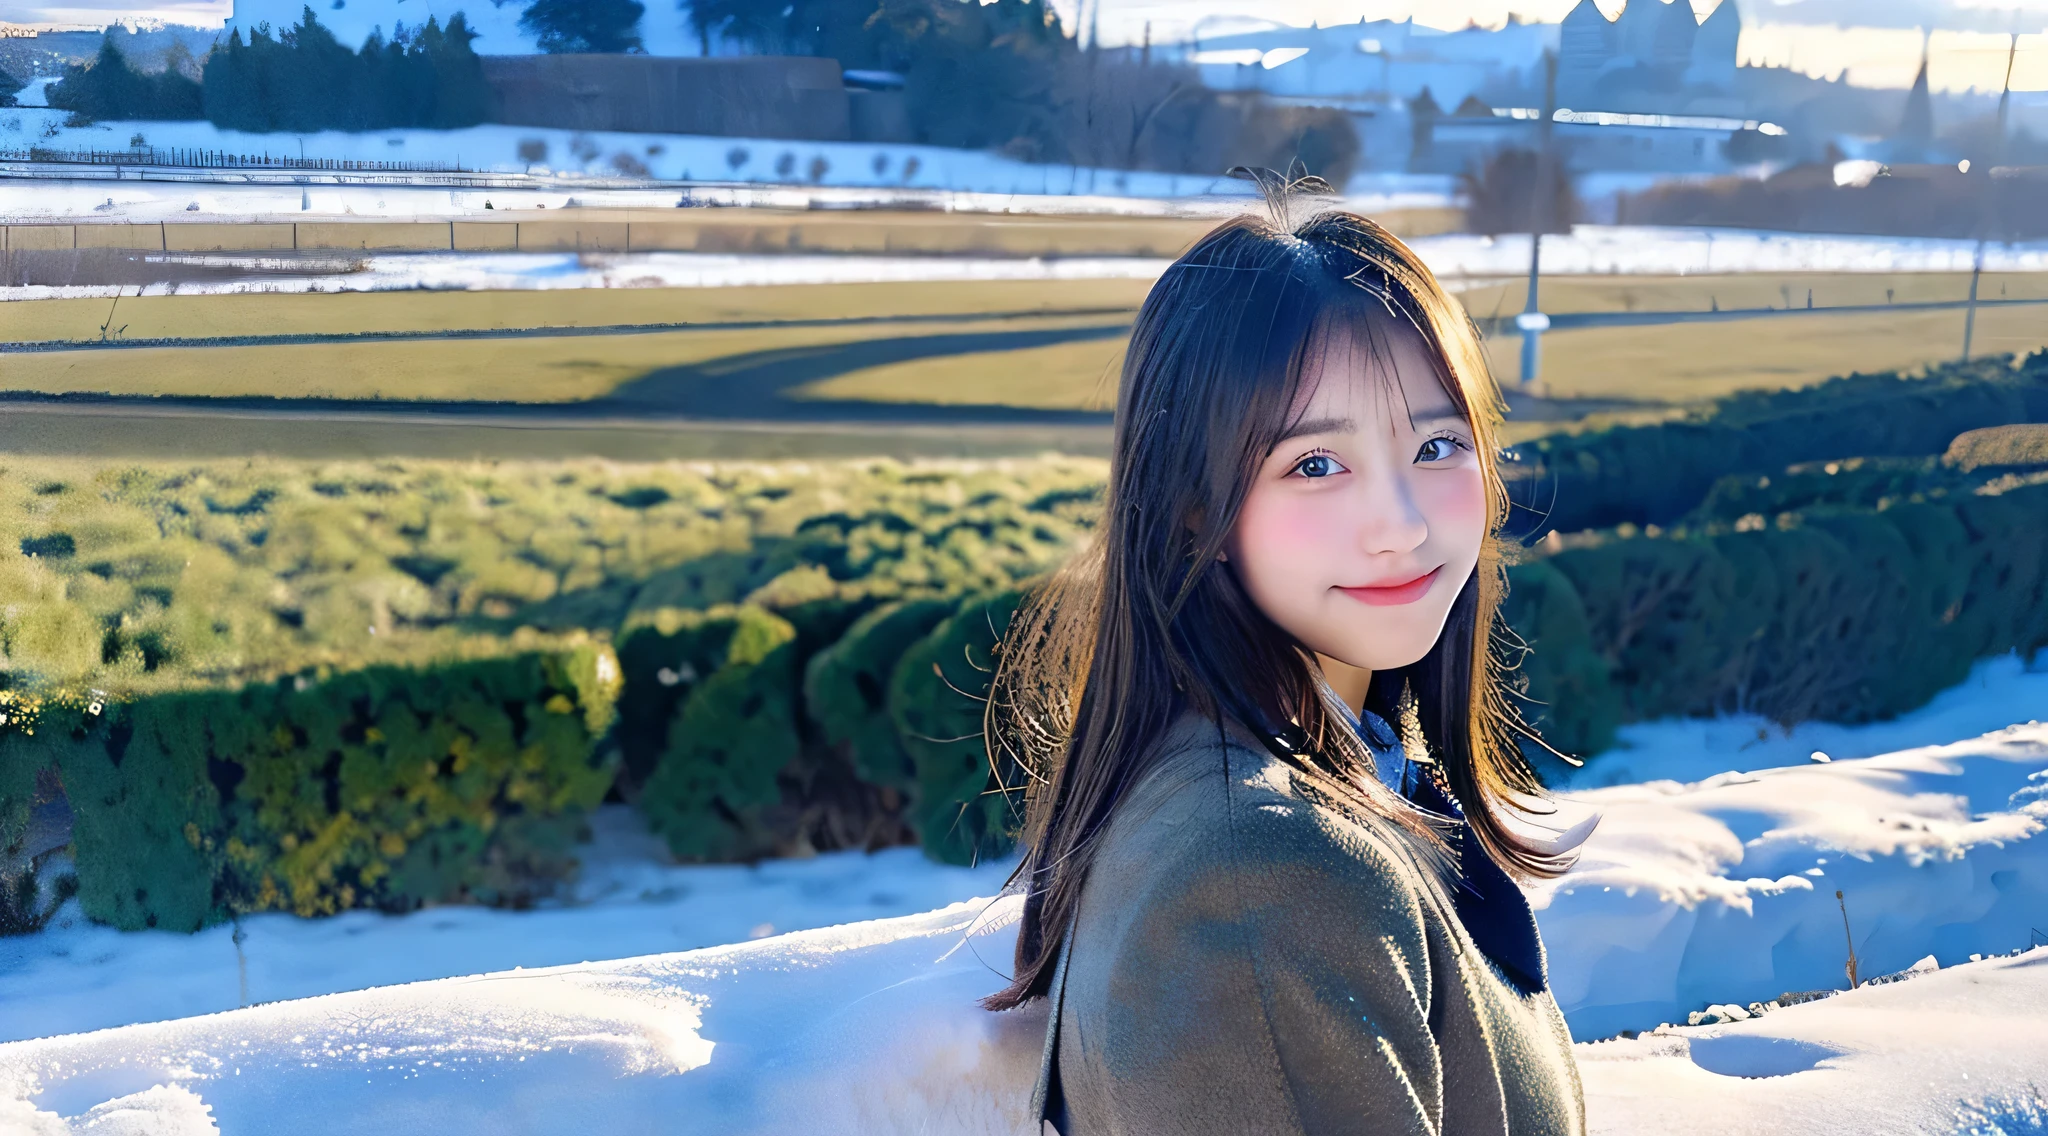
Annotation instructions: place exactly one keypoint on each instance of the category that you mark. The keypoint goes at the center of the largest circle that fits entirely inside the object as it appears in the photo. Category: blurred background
(509, 484)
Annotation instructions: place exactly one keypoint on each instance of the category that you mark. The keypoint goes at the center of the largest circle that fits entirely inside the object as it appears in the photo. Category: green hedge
(1656, 474)
(387, 787)
(846, 692)
(1841, 615)
(1850, 483)
(962, 810)
(139, 577)
(801, 652)
(715, 784)
(18, 914)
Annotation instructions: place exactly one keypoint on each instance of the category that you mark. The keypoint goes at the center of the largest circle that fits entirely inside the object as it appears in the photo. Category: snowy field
(1456, 258)
(401, 272)
(1998, 692)
(33, 192)
(603, 153)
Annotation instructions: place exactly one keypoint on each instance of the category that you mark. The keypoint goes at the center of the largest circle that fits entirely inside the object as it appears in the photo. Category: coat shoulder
(1218, 807)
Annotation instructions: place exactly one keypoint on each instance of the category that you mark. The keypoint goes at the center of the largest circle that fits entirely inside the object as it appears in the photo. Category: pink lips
(1393, 595)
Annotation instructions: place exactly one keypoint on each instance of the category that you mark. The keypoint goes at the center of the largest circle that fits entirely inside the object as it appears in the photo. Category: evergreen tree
(303, 80)
(461, 96)
(108, 88)
(584, 25)
(229, 87)
(322, 90)
(9, 87)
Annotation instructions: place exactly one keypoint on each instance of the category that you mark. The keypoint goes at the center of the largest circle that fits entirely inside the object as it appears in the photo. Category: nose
(1389, 519)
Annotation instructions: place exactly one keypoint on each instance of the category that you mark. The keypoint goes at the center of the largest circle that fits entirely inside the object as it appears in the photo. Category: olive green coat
(1246, 962)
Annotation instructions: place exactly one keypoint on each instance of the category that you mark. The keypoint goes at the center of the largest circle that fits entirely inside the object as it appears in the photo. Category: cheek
(1279, 542)
(1456, 502)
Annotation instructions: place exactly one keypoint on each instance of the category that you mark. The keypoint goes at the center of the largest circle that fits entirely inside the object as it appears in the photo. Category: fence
(196, 158)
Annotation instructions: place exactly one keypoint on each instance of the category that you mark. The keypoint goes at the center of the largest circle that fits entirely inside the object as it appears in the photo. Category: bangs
(1357, 326)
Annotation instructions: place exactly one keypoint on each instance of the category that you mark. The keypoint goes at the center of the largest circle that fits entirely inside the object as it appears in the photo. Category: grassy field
(343, 313)
(1034, 346)
(541, 369)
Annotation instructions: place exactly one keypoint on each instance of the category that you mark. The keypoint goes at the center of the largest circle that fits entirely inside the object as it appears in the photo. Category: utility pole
(1532, 321)
(1987, 202)
(1855, 979)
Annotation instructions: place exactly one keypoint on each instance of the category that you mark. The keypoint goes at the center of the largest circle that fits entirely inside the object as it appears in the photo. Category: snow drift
(870, 1028)
(1939, 1054)
(1688, 894)
(1724, 890)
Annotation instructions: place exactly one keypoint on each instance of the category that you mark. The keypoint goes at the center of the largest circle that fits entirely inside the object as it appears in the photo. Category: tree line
(300, 79)
(1002, 75)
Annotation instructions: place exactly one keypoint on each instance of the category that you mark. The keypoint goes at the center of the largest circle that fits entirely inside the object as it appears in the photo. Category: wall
(745, 96)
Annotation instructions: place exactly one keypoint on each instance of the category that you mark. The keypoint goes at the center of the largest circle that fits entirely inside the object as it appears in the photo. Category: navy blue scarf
(1490, 905)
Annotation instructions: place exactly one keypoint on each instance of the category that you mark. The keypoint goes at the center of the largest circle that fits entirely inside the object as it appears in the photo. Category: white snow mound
(1687, 895)
(870, 1027)
(1724, 890)
(1908, 1057)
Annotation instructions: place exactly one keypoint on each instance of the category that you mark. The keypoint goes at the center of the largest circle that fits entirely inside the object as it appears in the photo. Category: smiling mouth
(1392, 595)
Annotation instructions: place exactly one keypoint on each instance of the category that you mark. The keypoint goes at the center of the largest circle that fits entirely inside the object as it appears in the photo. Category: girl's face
(1367, 518)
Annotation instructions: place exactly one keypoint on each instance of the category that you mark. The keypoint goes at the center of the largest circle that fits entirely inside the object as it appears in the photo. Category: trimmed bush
(665, 654)
(963, 810)
(18, 914)
(1836, 615)
(714, 790)
(388, 787)
(846, 692)
(1567, 682)
(1656, 474)
(2000, 446)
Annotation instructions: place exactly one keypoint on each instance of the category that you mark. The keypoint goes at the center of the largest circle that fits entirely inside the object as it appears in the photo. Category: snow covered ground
(666, 157)
(1456, 258)
(1718, 891)
(1724, 890)
(1943, 1053)
(628, 901)
(386, 272)
(872, 1028)
(1998, 693)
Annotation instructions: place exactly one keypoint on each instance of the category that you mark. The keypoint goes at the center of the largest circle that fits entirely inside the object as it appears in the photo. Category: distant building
(757, 96)
(1606, 141)
(1369, 64)
(1653, 46)
(1916, 126)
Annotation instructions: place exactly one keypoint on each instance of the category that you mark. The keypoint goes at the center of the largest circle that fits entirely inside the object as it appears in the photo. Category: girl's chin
(1399, 636)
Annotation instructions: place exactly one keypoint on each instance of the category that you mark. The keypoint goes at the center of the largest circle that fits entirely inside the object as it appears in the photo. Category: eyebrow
(1309, 426)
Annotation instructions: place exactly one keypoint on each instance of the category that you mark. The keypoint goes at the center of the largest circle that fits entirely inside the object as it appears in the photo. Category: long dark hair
(1146, 624)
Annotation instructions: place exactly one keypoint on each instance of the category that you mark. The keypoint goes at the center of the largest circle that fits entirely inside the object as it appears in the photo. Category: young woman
(1253, 904)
